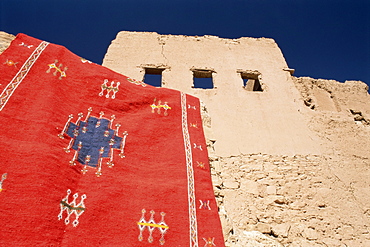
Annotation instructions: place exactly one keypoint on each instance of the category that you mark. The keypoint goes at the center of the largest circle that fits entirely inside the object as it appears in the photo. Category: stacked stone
(292, 200)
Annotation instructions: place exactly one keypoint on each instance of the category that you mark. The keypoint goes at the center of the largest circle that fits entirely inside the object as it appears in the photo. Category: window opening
(202, 79)
(251, 82)
(153, 76)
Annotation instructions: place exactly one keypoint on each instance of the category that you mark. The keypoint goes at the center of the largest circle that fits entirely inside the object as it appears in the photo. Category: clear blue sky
(327, 39)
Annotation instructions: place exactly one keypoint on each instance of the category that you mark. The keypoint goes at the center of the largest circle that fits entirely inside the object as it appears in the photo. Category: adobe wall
(290, 165)
(242, 121)
(304, 200)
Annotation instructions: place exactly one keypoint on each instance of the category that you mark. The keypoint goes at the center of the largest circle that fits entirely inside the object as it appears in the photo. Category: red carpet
(90, 157)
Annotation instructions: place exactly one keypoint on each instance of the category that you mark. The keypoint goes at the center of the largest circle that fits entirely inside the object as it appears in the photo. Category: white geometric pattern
(72, 208)
(190, 174)
(151, 225)
(22, 73)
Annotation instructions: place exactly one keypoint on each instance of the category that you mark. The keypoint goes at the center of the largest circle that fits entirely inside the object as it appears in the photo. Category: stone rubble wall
(293, 200)
(303, 200)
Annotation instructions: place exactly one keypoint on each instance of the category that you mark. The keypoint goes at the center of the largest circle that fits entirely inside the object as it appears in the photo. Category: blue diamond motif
(93, 140)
